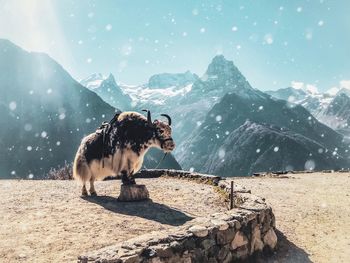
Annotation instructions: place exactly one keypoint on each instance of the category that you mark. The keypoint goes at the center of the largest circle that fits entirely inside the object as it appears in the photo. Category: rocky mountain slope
(108, 90)
(225, 144)
(44, 114)
(330, 109)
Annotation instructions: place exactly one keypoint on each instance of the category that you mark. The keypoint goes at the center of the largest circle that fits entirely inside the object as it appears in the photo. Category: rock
(256, 244)
(239, 240)
(225, 237)
(133, 192)
(207, 243)
(221, 224)
(242, 252)
(270, 239)
(223, 253)
(199, 231)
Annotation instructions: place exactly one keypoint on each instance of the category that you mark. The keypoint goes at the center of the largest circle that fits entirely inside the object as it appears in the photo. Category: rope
(161, 161)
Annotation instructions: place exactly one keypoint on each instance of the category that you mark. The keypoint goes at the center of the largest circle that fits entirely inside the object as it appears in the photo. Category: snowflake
(13, 105)
(257, 150)
(299, 9)
(58, 143)
(28, 127)
(310, 165)
(108, 27)
(62, 116)
(276, 149)
(195, 12)
(202, 30)
(31, 176)
(29, 148)
(218, 118)
(44, 134)
(221, 153)
(268, 39)
(49, 91)
(227, 132)
(89, 60)
(234, 28)
(191, 169)
(261, 107)
(13, 172)
(320, 23)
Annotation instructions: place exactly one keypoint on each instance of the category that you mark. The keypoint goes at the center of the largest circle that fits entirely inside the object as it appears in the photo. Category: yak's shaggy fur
(119, 152)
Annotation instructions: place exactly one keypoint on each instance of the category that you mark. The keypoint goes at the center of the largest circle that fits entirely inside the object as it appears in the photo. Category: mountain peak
(220, 67)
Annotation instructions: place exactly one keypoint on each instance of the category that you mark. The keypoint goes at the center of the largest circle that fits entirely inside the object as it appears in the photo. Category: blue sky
(272, 42)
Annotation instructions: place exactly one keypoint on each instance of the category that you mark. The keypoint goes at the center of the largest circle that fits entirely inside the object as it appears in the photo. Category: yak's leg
(92, 187)
(127, 180)
(84, 191)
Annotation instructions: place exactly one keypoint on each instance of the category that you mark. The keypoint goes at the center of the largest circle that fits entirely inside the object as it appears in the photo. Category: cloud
(312, 89)
(297, 84)
(333, 91)
(345, 84)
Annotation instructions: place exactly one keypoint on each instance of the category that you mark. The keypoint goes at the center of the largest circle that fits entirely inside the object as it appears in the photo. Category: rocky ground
(312, 215)
(48, 221)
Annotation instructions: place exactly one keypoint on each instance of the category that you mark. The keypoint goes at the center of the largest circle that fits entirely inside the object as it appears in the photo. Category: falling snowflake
(184, 34)
(276, 149)
(108, 27)
(202, 30)
(257, 150)
(261, 107)
(221, 153)
(320, 23)
(195, 12)
(13, 105)
(299, 9)
(31, 176)
(62, 116)
(268, 39)
(320, 150)
(89, 60)
(191, 169)
(13, 172)
(234, 28)
(44, 134)
(199, 123)
(88, 120)
(218, 118)
(49, 91)
(310, 165)
(227, 132)
(29, 148)
(58, 143)
(28, 127)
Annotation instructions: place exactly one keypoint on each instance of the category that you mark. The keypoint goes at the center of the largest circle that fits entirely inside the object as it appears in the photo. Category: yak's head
(162, 132)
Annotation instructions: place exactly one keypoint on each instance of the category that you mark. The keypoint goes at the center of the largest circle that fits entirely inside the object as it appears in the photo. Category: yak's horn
(149, 120)
(168, 117)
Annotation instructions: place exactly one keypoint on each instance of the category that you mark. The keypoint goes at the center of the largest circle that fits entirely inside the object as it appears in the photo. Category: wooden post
(231, 196)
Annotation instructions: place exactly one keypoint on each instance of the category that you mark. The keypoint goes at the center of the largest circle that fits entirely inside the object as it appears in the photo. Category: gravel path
(312, 212)
(47, 221)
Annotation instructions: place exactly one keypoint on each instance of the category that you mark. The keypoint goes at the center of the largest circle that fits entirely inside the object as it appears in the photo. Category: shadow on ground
(286, 252)
(146, 209)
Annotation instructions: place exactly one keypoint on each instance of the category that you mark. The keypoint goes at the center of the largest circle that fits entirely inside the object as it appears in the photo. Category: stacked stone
(222, 237)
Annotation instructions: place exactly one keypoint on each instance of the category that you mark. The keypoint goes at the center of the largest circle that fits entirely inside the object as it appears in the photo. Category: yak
(117, 148)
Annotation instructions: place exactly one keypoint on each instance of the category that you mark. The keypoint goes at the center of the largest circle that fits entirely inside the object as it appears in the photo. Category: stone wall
(238, 233)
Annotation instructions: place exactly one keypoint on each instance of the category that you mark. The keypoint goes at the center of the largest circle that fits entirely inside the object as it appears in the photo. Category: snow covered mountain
(226, 144)
(108, 90)
(166, 80)
(44, 114)
(331, 109)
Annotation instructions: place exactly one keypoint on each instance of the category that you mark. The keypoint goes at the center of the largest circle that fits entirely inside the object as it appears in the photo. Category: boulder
(133, 192)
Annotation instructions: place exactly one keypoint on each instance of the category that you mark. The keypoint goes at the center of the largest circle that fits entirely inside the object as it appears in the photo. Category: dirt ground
(48, 221)
(312, 215)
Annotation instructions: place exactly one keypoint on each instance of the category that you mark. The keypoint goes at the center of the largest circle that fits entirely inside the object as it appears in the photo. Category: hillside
(44, 114)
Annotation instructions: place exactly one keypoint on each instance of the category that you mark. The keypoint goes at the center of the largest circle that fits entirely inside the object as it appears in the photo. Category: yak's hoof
(93, 194)
(84, 194)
